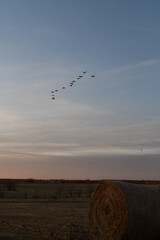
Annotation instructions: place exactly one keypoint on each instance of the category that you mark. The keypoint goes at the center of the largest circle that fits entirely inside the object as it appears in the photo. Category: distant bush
(2, 192)
(79, 192)
(70, 190)
(36, 194)
(25, 195)
(90, 190)
(30, 180)
(11, 185)
(59, 190)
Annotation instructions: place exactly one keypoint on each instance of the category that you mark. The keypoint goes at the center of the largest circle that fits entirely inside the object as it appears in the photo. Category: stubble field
(35, 211)
(46, 210)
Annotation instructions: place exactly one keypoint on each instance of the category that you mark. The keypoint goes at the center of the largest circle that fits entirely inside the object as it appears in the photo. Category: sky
(103, 127)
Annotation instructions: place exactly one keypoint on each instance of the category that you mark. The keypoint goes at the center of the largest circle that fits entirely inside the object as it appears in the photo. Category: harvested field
(127, 211)
(45, 212)
(43, 220)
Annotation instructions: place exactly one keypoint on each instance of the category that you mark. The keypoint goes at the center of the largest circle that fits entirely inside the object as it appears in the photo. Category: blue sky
(102, 127)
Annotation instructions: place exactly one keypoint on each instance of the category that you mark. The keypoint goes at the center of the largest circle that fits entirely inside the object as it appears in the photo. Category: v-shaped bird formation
(53, 92)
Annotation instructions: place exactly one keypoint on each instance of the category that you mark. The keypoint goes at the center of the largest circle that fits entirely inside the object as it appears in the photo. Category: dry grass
(45, 212)
(41, 220)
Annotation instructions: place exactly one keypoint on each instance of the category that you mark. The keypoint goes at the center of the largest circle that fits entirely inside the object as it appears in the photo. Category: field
(45, 210)
(40, 210)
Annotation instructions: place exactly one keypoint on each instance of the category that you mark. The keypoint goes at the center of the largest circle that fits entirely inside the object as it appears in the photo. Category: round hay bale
(125, 211)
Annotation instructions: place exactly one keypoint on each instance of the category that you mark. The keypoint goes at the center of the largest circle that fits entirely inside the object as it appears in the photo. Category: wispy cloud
(33, 125)
(74, 140)
(142, 64)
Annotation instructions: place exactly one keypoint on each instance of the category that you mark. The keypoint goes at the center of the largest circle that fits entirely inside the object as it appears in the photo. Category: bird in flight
(140, 147)
(71, 84)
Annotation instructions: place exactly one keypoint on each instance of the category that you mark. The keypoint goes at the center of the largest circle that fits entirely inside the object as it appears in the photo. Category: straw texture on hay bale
(125, 211)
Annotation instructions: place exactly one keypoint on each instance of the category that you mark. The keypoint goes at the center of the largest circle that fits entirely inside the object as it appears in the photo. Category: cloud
(142, 64)
(71, 136)
(46, 131)
(33, 124)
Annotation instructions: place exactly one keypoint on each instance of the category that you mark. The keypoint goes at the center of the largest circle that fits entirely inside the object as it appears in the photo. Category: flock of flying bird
(71, 84)
(53, 92)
